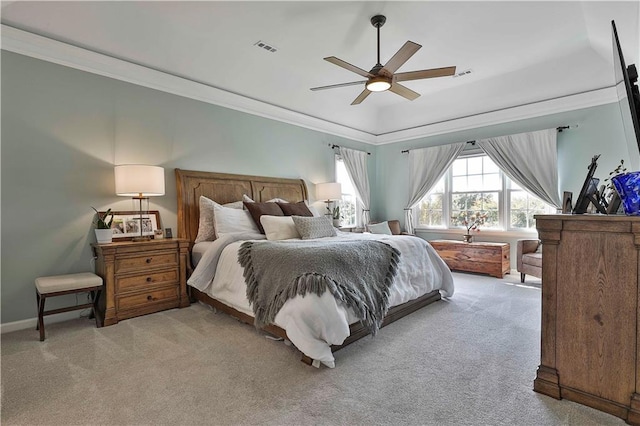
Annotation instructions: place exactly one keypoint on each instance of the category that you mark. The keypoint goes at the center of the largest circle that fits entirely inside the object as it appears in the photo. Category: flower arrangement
(617, 171)
(609, 195)
(471, 223)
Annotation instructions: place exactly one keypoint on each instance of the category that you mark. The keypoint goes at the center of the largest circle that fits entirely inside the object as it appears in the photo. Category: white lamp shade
(329, 191)
(134, 180)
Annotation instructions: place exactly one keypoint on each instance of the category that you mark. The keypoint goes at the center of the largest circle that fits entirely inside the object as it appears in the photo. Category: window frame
(504, 206)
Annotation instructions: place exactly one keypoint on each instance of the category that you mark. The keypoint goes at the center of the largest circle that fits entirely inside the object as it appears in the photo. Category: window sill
(482, 233)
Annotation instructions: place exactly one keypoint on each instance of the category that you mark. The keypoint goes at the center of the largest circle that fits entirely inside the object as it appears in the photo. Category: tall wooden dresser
(141, 277)
(590, 348)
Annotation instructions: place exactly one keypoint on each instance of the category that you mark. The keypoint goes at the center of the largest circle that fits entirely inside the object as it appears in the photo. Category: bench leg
(96, 298)
(38, 307)
(522, 277)
(41, 299)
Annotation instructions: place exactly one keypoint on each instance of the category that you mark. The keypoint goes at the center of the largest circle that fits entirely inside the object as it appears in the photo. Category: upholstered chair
(394, 225)
(529, 258)
(380, 227)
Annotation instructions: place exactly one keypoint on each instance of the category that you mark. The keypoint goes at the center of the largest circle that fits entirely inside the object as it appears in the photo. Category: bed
(316, 325)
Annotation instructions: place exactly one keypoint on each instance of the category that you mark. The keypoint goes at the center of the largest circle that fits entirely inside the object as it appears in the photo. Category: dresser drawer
(147, 298)
(135, 282)
(146, 262)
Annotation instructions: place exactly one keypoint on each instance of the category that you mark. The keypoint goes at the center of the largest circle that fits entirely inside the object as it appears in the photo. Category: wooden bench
(486, 258)
(59, 285)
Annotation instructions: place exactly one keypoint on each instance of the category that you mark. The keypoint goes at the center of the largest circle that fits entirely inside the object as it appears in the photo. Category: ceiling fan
(382, 78)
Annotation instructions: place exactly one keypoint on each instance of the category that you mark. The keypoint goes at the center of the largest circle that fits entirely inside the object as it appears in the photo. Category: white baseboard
(32, 322)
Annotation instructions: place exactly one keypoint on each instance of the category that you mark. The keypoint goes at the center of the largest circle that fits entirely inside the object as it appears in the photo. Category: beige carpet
(470, 360)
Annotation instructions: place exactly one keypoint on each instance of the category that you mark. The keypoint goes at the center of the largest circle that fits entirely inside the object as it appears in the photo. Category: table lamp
(329, 191)
(139, 182)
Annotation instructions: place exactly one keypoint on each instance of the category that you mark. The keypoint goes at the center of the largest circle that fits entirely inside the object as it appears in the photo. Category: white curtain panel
(356, 165)
(530, 159)
(426, 167)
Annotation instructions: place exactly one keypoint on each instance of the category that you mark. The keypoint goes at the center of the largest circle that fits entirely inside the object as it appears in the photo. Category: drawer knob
(148, 260)
(149, 297)
(149, 279)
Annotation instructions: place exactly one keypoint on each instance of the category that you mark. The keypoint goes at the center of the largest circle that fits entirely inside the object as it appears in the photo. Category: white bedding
(314, 323)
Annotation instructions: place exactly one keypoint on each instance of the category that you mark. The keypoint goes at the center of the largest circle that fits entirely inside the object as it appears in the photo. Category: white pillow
(379, 228)
(228, 220)
(206, 225)
(314, 211)
(248, 199)
(279, 227)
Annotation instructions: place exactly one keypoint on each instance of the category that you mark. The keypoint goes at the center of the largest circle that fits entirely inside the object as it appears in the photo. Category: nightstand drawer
(146, 262)
(147, 298)
(126, 283)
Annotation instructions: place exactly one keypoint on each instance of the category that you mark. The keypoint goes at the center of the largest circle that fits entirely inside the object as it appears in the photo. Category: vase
(336, 223)
(104, 236)
(628, 187)
(467, 238)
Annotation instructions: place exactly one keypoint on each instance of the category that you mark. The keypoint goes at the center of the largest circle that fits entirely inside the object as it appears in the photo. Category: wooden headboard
(226, 188)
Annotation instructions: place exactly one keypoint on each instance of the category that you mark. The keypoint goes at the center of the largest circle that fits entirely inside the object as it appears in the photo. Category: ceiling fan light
(378, 84)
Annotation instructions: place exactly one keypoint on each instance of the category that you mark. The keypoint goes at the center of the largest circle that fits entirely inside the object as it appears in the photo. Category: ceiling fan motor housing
(378, 20)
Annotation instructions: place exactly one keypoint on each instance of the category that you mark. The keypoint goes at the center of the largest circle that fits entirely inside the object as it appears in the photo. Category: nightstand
(141, 277)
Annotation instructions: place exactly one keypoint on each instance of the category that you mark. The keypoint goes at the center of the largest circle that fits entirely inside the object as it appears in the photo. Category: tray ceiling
(519, 53)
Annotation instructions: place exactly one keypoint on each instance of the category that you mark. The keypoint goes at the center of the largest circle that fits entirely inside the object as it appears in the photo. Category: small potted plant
(104, 233)
(336, 216)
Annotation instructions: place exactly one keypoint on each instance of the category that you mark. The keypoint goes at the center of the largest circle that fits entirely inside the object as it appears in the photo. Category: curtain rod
(338, 146)
(559, 129)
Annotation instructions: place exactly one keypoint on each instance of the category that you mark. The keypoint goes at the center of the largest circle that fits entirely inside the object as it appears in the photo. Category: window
(348, 211)
(431, 207)
(475, 184)
(522, 207)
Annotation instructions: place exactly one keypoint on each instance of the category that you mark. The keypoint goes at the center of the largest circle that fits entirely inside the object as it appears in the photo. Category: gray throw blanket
(357, 273)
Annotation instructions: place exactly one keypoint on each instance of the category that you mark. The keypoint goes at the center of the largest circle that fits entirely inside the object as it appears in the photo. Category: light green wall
(62, 132)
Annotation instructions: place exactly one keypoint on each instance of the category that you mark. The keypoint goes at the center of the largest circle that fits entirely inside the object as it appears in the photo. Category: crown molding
(588, 99)
(46, 49)
(39, 47)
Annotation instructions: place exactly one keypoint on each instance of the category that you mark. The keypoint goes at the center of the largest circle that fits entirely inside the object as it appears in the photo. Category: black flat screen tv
(628, 95)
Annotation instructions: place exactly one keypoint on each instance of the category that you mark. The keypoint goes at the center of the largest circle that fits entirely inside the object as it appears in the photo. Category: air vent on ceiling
(266, 46)
(462, 73)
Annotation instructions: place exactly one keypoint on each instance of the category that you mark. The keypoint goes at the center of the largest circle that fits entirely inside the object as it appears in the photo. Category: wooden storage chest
(486, 258)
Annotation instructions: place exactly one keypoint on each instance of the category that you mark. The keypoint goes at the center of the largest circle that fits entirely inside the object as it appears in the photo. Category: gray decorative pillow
(314, 227)
(206, 225)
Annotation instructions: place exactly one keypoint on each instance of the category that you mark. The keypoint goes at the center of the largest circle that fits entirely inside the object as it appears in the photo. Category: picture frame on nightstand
(126, 224)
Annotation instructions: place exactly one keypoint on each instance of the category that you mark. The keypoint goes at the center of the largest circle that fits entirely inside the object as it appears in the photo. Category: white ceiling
(520, 53)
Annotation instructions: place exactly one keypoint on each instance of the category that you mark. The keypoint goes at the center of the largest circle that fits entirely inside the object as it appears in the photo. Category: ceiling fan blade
(348, 66)
(403, 91)
(333, 86)
(401, 56)
(361, 97)
(431, 73)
